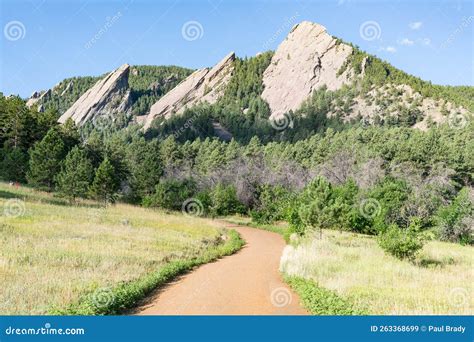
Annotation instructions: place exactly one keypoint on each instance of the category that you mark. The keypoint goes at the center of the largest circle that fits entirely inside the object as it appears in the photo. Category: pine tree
(76, 175)
(13, 164)
(145, 167)
(45, 160)
(106, 184)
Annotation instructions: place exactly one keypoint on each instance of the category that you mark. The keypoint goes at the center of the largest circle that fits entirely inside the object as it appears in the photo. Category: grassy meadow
(52, 253)
(438, 281)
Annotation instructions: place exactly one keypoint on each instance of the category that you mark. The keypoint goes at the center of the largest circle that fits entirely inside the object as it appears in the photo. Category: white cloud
(416, 25)
(390, 49)
(406, 41)
(425, 41)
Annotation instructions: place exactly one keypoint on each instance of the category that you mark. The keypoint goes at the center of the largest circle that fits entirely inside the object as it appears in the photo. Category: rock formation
(306, 60)
(203, 85)
(107, 97)
(37, 97)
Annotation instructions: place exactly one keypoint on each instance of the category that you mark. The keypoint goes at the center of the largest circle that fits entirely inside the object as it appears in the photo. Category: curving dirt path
(246, 283)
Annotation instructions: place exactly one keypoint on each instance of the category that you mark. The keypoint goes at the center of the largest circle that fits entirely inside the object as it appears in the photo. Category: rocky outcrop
(306, 60)
(67, 89)
(203, 85)
(37, 98)
(109, 96)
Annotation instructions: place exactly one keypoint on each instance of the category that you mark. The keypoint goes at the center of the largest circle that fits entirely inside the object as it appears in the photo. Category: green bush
(402, 243)
(171, 194)
(391, 194)
(224, 201)
(272, 204)
(452, 219)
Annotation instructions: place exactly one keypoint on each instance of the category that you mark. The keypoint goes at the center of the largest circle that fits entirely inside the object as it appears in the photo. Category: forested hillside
(363, 179)
(348, 159)
(147, 84)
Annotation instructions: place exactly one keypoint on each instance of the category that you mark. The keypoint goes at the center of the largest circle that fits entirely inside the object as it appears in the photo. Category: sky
(45, 41)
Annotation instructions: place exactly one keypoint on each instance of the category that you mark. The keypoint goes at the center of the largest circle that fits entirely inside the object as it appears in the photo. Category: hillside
(311, 82)
(309, 65)
(146, 83)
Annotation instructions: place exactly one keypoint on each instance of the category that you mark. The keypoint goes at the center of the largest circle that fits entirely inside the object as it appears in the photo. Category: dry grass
(52, 253)
(354, 266)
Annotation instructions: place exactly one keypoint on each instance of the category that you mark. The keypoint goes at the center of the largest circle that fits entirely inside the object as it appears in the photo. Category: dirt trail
(246, 283)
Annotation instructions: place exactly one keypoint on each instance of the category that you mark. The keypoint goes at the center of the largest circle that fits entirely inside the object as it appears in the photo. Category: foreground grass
(125, 295)
(355, 268)
(52, 254)
(321, 301)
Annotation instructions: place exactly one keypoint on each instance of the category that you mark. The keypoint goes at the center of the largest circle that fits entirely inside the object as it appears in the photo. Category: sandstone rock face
(38, 97)
(306, 60)
(107, 97)
(203, 85)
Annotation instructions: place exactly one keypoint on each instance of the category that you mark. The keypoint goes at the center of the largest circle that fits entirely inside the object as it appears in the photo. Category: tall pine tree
(76, 175)
(106, 184)
(45, 160)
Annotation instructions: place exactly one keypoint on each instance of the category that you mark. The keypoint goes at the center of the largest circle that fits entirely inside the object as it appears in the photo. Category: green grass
(125, 295)
(353, 266)
(53, 255)
(321, 301)
(348, 273)
(316, 299)
(279, 228)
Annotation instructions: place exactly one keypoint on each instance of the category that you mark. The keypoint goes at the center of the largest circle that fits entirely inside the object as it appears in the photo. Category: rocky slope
(37, 98)
(306, 60)
(107, 97)
(203, 85)
(309, 60)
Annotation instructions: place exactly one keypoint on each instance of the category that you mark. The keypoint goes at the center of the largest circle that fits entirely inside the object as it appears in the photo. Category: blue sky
(45, 41)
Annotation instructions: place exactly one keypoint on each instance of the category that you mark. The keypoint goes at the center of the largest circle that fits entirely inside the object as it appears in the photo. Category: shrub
(171, 194)
(272, 204)
(224, 201)
(204, 197)
(296, 225)
(402, 243)
(453, 220)
(391, 194)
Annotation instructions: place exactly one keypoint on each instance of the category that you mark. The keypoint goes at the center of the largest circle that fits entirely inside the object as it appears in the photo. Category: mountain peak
(203, 85)
(102, 98)
(308, 25)
(306, 60)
